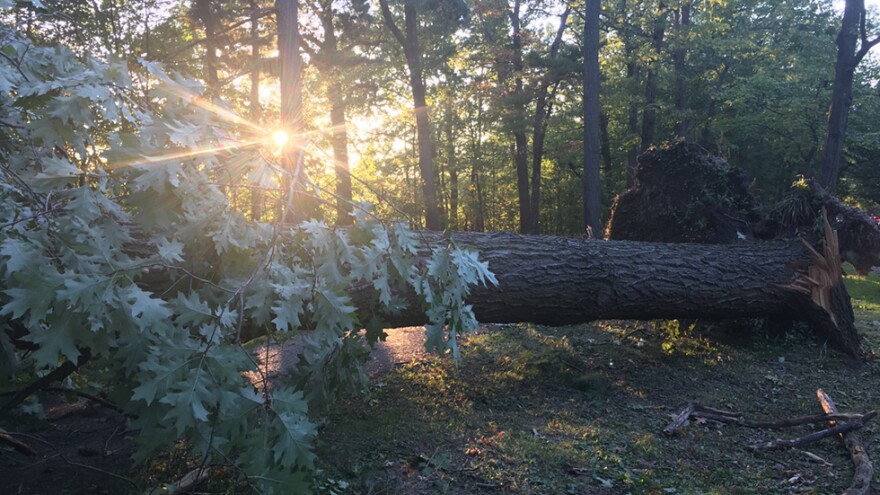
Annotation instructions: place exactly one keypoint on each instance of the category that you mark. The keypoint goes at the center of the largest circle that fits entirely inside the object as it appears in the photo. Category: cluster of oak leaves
(117, 241)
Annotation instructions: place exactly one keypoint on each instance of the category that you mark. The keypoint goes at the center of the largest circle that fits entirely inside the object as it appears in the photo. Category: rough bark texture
(558, 281)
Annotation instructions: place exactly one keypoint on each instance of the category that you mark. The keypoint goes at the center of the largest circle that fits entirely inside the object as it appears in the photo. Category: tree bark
(591, 189)
(863, 468)
(560, 281)
(452, 166)
(632, 126)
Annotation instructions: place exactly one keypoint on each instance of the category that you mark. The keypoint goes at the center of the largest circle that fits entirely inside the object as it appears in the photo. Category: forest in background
(183, 181)
(502, 86)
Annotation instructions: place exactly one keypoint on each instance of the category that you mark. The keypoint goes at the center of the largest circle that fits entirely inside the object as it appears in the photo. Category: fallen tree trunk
(558, 281)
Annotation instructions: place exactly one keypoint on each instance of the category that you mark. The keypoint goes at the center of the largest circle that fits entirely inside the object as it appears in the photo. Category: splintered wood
(825, 273)
(841, 425)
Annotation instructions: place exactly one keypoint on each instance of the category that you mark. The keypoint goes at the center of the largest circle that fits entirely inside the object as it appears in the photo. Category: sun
(280, 138)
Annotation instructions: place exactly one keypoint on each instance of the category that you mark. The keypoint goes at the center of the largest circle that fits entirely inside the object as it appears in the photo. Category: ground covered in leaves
(581, 410)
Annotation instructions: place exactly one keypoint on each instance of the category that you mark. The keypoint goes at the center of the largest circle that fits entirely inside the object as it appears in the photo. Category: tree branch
(389, 21)
(58, 374)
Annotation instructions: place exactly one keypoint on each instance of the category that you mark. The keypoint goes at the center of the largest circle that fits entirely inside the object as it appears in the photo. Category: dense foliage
(119, 247)
(750, 80)
(148, 230)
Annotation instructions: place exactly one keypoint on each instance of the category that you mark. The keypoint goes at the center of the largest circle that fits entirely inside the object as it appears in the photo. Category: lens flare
(280, 138)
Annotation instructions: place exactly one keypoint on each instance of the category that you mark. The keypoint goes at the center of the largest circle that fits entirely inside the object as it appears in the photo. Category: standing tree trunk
(591, 222)
(520, 152)
(632, 125)
(649, 115)
(452, 166)
(543, 109)
(853, 27)
(291, 104)
(255, 110)
(204, 12)
(338, 121)
(413, 54)
(679, 59)
(605, 147)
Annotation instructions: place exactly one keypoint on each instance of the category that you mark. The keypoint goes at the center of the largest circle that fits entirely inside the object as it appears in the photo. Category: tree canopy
(152, 224)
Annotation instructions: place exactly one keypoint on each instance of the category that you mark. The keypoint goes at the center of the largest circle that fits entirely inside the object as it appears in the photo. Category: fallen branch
(16, 444)
(863, 470)
(736, 418)
(839, 428)
(694, 410)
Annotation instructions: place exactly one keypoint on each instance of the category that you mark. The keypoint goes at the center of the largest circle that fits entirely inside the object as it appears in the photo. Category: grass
(865, 293)
(581, 409)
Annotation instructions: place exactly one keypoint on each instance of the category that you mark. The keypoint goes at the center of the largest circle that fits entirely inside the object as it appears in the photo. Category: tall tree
(520, 145)
(591, 187)
(332, 61)
(408, 38)
(853, 34)
(255, 110)
(649, 114)
(546, 93)
(204, 11)
(287, 18)
(679, 59)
